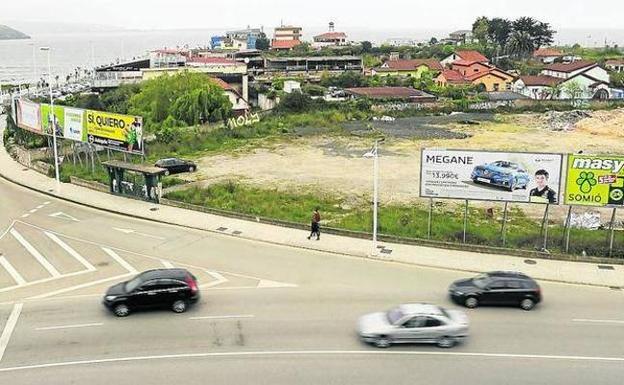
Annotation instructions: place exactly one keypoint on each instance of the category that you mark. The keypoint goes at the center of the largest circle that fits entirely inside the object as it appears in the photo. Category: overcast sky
(374, 14)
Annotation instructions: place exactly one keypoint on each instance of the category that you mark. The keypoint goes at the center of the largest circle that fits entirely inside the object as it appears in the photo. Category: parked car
(509, 175)
(497, 288)
(176, 166)
(414, 323)
(163, 288)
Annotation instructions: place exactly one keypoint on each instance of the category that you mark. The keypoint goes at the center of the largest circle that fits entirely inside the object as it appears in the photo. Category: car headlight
(110, 297)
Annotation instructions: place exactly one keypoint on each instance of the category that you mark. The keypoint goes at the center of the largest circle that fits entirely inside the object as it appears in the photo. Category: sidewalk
(552, 270)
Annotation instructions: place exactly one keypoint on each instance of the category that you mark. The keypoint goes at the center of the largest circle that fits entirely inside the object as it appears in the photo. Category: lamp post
(374, 153)
(52, 122)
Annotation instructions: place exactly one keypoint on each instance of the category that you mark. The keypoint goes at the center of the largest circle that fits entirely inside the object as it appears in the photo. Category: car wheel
(121, 310)
(527, 304)
(191, 169)
(446, 342)
(167, 173)
(382, 342)
(179, 306)
(471, 302)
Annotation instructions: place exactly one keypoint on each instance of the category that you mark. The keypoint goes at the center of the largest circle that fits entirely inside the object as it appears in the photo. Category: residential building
(410, 68)
(286, 37)
(405, 94)
(547, 55)
(467, 55)
(330, 38)
(240, 105)
(540, 87)
(492, 80)
(568, 70)
(311, 65)
(401, 42)
(559, 80)
(464, 72)
(291, 85)
(451, 78)
(460, 37)
(468, 68)
(244, 39)
(168, 57)
(615, 65)
(284, 45)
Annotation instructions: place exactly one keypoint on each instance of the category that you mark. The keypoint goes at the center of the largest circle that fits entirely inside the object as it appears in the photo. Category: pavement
(271, 310)
(542, 269)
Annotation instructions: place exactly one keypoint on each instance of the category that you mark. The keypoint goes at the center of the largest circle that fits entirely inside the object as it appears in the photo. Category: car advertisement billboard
(594, 181)
(492, 176)
(115, 131)
(28, 116)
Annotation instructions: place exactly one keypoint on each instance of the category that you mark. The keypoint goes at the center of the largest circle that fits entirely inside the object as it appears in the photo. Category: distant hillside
(7, 33)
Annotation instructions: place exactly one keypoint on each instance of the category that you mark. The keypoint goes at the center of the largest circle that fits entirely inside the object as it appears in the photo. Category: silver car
(414, 323)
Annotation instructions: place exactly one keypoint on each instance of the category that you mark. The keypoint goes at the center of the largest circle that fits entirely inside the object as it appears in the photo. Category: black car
(497, 288)
(176, 166)
(163, 288)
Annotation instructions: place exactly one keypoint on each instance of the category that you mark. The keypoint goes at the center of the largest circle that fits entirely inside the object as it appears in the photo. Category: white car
(414, 323)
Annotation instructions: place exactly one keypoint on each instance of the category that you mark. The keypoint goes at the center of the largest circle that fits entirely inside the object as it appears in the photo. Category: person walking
(316, 225)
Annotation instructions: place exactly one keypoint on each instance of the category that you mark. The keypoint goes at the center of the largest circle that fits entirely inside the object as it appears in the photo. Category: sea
(23, 61)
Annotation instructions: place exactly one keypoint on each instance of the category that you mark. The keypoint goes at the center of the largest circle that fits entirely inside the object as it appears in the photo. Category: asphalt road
(268, 314)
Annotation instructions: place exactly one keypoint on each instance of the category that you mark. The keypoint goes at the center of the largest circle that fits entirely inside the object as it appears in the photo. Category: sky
(374, 14)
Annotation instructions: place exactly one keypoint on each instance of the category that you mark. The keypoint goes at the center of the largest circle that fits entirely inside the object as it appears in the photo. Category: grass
(484, 227)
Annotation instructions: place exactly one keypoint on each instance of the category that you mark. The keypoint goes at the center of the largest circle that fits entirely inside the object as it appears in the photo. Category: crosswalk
(39, 263)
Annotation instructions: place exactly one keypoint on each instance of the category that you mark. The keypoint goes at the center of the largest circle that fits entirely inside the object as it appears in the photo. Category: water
(85, 50)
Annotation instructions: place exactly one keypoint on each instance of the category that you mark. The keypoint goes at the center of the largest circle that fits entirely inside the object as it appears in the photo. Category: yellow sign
(123, 132)
(595, 181)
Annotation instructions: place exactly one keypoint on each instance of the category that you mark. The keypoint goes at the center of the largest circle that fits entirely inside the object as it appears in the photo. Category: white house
(616, 65)
(536, 87)
(570, 82)
(568, 70)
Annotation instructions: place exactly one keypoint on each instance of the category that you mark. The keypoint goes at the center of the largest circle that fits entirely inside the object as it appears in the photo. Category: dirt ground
(336, 164)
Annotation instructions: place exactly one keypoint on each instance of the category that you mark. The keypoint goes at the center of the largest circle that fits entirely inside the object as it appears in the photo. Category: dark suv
(497, 288)
(163, 288)
(176, 166)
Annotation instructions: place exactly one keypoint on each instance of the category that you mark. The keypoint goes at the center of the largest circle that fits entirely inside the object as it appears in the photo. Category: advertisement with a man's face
(492, 176)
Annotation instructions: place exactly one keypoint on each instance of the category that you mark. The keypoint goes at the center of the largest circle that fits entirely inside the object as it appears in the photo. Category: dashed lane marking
(166, 264)
(223, 317)
(599, 321)
(70, 251)
(68, 326)
(40, 258)
(9, 327)
(17, 277)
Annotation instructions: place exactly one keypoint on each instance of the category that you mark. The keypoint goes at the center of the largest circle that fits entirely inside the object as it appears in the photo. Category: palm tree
(520, 44)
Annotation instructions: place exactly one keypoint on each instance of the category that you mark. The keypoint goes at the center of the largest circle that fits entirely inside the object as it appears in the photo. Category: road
(268, 314)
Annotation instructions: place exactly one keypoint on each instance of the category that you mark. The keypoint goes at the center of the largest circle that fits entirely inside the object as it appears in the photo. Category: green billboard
(595, 180)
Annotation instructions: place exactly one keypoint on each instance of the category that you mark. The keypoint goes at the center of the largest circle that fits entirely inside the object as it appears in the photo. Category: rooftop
(331, 35)
(453, 76)
(570, 67)
(390, 93)
(410, 65)
(142, 168)
(540, 80)
(285, 44)
(471, 55)
(547, 52)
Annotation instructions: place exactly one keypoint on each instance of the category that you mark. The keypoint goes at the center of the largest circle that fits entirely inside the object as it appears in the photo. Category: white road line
(46, 203)
(81, 286)
(70, 251)
(223, 317)
(217, 276)
(40, 258)
(120, 260)
(25, 215)
(69, 326)
(33, 211)
(45, 280)
(40, 207)
(600, 321)
(17, 277)
(9, 327)
(302, 353)
(167, 264)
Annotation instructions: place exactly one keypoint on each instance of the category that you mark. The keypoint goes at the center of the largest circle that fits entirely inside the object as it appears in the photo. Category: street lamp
(52, 122)
(374, 153)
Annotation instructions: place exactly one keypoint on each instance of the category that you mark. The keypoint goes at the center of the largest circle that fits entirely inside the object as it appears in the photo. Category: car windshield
(481, 281)
(444, 312)
(133, 284)
(394, 315)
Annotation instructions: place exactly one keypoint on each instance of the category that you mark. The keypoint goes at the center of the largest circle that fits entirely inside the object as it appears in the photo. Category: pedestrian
(316, 225)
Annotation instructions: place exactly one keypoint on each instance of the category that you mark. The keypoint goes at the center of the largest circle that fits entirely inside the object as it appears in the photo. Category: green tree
(573, 90)
(480, 29)
(296, 102)
(433, 41)
(263, 43)
(499, 30)
(367, 46)
(520, 44)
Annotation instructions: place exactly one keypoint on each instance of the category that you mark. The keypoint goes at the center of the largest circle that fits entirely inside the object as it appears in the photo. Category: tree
(553, 92)
(499, 31)
(573, 90)
(433, 41)
(263, 43)
(480, 29)
(541, 33)
(367, 46)
(296, 102)
(520, 44)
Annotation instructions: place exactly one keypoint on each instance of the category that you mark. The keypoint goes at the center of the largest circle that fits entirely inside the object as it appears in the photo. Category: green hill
(7, 33)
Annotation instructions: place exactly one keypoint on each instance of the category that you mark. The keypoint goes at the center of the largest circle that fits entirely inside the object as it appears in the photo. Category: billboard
(46, 119)
(73, 127)
(492, 176)
(594, 181)
(115, 131)
(28, 116)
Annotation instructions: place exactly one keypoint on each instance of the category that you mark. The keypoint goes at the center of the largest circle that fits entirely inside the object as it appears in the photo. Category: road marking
(130, 231)
(70, 251)
(120, 260)
(33, 211)
(167, 264)
(25, 215)
(17, 277)
(267, 284)
(600, 321)
(312, 353)
(46, 203)
(81, 286)
(50, 279)
(40, 258)
(40, 207)
(62, 215)
(217, 276)
(9, 327)
(223, 317)
(69, 326)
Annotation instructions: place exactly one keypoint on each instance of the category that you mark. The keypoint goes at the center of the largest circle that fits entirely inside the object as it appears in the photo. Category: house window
(496, 86)
(476, 70)
(508, 86)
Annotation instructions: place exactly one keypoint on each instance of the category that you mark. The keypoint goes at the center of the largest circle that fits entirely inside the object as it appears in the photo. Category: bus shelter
(135, 180)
